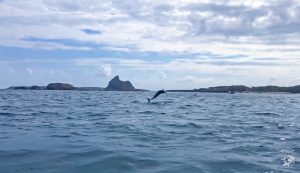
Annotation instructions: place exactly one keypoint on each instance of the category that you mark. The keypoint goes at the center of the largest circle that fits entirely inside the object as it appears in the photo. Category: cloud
(187, 37)
(194, 79)
(180, 73)
(152, 25)
(106, 70)
(190, 78)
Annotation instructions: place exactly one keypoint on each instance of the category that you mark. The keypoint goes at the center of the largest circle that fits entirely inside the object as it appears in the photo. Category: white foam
(288, 160)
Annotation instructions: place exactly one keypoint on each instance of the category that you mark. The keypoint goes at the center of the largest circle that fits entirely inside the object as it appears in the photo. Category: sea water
(119, 132)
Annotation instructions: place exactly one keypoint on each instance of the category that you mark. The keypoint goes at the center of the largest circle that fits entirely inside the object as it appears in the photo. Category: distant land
(242, 89)
(56, 86)
(116, 84)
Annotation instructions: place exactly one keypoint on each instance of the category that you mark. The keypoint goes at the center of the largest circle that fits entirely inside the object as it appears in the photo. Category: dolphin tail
(148, 100)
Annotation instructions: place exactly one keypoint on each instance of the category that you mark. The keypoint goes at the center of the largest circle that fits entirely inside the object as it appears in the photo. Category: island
(115, 84)
(60, 86)
(245, 89)
(118, 85)
(56, 86)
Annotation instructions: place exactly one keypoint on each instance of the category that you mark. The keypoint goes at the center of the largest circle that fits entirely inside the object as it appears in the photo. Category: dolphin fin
(148, 100)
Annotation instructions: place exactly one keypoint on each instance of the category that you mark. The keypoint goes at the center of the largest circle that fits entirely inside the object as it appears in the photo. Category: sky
(178, 44)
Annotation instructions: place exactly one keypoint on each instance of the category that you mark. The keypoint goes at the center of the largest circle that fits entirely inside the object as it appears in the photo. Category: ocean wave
(121, 132)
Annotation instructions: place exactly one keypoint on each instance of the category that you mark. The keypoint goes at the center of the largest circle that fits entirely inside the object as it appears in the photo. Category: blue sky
(179, 44)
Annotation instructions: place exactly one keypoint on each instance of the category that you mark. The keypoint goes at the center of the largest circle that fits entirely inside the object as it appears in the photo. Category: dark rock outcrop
(19, 88)
(294, 89)
(35, 87)
(60, 86)
(225, 89)
(117, 85)
(242, 88)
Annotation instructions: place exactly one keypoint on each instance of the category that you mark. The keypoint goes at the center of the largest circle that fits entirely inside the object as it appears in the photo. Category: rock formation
(117, 85)
(35, 87)
(60, 86)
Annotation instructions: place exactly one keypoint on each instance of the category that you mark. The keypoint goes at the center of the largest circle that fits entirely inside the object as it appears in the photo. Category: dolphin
(156, 95)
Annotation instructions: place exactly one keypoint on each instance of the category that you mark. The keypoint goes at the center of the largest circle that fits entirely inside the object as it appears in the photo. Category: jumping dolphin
(156, 94)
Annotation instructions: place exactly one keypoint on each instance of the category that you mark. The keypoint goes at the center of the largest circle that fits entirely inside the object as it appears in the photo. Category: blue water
(93, 132)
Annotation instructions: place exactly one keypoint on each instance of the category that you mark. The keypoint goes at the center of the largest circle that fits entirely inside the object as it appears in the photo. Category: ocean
(119, 132)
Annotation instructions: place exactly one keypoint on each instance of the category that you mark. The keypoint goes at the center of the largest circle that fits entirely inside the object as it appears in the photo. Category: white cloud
(106, 70)
(263, 36)
(190, 78)
(180, 73)
(157, 26)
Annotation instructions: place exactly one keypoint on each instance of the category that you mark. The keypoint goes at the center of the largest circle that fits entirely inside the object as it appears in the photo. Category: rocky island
(118, 85)
(114, 84)
(55, 86)
(60, 86)
(242, 88)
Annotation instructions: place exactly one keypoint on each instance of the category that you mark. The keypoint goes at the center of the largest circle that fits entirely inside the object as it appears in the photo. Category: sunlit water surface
(119, 132)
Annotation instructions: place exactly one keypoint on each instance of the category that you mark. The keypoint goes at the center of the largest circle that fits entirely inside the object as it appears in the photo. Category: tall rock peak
(117, 85)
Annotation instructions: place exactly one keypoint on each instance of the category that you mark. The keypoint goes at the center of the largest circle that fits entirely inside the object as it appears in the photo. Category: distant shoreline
(115, 84)
(218, 89)
(245, 89)
(168, 91)
(251, 92)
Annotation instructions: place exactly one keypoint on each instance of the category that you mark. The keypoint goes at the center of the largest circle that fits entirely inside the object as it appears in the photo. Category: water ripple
(67, 131)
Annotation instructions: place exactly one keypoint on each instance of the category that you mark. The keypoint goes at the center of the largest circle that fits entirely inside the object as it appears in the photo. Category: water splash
(288, 161)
